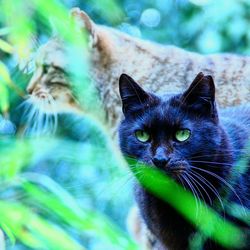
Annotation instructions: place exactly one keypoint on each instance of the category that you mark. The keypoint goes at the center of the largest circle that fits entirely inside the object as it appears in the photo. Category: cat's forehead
(168, 112)
(52, 53)
(169, 103)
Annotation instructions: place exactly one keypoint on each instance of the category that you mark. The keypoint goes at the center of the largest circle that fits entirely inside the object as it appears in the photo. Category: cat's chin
(176, 175)
(176, 170)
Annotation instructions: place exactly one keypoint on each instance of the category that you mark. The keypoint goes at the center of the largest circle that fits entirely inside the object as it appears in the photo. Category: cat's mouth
(41, 94)
(176, 173)
(56, 100)
(42, 106)
(43, 102)
(176, 168)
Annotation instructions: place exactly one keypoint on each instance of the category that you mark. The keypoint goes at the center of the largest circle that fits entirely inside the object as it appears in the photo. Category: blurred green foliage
(70, 191)
(206, 26)
(57, 192)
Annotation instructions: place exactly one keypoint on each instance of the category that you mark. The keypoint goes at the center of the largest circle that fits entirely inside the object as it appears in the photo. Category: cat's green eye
(142, 136)
(182, 135)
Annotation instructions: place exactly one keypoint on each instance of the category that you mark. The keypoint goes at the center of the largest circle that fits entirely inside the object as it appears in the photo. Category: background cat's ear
(85, 23)
(201, 94)
(131, 93)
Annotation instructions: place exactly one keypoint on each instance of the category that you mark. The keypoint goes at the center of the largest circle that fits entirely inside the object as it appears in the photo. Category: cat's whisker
(24, 104)
(183, 184)
(195, 188)
(243, 155)
(212, 162)
(199, 197)
(30, 114)
(55, 123)
(223, 181)
(118, 185)
(136, 169)
(31, 119)
(28, 109)
(185, 178)
(52, 104)
(197, 182)
(46, 122)
(39, 129)
(199, 179)
(211, 187)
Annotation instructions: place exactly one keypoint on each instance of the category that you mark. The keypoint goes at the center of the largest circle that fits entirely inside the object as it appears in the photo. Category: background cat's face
(49, 89)
(172, 133)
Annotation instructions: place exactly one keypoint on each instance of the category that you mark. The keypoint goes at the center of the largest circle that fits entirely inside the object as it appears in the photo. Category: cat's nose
(30, 90)
(160, 161)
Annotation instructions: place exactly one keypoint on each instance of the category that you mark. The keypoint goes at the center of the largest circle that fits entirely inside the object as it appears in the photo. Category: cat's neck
(169, 227)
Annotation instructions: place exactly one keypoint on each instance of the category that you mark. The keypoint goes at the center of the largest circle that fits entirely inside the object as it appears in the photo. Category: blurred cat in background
(158, 68)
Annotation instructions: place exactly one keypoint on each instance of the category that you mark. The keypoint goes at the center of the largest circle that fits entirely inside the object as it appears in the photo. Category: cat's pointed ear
(85, 23)
(132, 94)
(201, 94)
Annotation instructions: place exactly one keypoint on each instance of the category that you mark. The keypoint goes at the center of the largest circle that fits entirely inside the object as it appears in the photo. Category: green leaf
(14, 156)
(33, 230)
(4, 73)
(2, 241)
(117, 13)
(9, 233)
(6, 47)
(4, 94)
(60, 203)
(22, 25)
(4, 31)
(4, 98)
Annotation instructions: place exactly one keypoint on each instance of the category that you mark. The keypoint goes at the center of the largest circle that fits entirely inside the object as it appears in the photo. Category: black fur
(218, 140)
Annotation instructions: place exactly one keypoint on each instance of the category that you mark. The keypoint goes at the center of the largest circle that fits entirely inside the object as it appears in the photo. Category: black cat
(186, 137)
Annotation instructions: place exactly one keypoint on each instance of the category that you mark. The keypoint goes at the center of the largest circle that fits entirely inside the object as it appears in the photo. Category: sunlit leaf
(4, 31)
(4, 94)
(4, 98)
(22, 25)
(2, 241)
(33, 230)
(4, 73)
(103, 5)
(62, 204)
(9, 233)
(6, 47)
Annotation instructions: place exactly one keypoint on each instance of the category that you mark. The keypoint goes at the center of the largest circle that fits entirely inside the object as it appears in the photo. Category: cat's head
(49, 88)
(175, 133)
(49, 91)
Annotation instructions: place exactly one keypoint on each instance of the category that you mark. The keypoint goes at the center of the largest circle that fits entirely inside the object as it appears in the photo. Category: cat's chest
(163, 220)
